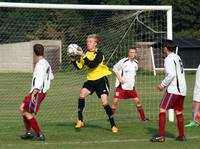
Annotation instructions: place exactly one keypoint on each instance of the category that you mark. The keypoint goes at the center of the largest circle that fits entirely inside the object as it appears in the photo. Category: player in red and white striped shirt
(42, 77)
(125, 71)
(175, 85)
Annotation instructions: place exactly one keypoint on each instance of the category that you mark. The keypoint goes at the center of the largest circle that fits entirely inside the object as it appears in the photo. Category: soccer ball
(72, 49)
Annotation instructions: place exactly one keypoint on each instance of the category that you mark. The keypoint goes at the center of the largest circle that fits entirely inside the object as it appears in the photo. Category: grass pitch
(57, 116)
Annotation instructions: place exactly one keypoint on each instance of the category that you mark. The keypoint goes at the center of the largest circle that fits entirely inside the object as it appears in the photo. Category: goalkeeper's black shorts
(100, 86)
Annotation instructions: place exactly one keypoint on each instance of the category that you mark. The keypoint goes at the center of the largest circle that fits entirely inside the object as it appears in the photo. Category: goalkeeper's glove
(75, 58)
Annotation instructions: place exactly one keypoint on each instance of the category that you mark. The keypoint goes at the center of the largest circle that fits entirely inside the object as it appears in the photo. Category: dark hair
(169, 44)
(38, 49)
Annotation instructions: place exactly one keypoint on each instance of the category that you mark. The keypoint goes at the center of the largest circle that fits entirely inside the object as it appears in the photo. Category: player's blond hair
(94, 36)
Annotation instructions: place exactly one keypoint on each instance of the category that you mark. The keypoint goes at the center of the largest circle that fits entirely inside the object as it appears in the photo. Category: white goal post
(92, 7)
(166, 8)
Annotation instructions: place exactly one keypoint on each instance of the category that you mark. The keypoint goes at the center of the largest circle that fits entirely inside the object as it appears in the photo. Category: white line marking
(116, 141)
(98, 142)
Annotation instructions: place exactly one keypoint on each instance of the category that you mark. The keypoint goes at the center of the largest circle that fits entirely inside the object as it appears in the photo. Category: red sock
(142, 114)
(27, 124)
(162, 121)
(180, 124)
(35, 126)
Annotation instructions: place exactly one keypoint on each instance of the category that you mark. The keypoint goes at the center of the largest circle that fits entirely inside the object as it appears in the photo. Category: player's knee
(114, 104)
(21, 108)
(104, 103)
(28, 115)
(178, 112)
(104, 99)
(83, 93)
(162, 110)
(137, 102)
(115, 101)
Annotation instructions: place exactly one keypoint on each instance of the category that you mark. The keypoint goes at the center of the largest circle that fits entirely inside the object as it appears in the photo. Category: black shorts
(100, 86)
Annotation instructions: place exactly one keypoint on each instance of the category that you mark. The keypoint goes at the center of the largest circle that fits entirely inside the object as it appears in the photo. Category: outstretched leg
(104, 100)
(81, 105)
(28, 134)
(27, 109)
(140, 109)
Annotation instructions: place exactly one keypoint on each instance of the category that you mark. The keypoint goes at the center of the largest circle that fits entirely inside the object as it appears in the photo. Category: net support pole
(153, 62)
(169, 36)
(176, 50)
(169, 23)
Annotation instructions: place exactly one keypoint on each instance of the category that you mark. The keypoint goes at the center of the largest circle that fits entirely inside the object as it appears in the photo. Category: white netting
(119, 30)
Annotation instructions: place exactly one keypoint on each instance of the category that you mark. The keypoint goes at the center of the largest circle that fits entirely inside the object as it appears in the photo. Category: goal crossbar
(89, 7)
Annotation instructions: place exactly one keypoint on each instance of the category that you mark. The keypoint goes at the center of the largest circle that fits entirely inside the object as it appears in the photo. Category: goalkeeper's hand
(72, 58)
(80, 53)
(75, 58)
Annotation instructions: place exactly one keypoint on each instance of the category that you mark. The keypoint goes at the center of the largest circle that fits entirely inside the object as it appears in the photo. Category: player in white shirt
(125, 71)
(42, 77)
(196, 102)
(175, 85)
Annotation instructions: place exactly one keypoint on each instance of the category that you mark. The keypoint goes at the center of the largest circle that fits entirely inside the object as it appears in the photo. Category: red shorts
(125, 94)
(33, 107)
(172, 101)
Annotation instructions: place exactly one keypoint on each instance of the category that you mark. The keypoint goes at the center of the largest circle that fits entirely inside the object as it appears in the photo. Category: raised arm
(95, 62)
(78, 64)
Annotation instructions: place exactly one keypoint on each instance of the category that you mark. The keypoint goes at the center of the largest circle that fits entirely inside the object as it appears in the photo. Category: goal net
(56, 26)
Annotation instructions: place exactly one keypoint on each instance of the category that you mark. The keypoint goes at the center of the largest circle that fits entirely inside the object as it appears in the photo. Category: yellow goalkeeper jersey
(94, 62)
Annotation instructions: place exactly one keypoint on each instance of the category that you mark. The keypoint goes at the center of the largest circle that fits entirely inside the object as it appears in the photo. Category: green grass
(58, 115)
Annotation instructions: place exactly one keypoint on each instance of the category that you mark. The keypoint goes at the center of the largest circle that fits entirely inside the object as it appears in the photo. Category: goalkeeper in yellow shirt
(97, 81)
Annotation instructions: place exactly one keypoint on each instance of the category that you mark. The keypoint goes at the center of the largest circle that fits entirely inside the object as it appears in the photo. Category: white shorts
(196, 96)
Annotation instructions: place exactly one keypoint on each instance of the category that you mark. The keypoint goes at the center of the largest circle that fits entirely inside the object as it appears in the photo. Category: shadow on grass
(155, 132)
(87, 126)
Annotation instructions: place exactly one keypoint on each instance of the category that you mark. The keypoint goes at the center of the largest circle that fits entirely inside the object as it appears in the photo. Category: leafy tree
(186, 17)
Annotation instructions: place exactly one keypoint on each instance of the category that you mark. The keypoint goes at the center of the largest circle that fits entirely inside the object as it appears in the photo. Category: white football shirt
(127, 70)
(196, 95)
(174, 75)
(42, 76)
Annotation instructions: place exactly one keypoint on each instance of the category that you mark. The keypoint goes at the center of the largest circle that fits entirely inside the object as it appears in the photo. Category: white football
(73, 48)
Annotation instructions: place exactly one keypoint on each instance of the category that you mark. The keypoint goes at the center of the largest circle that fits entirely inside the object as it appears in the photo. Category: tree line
(186, 13)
